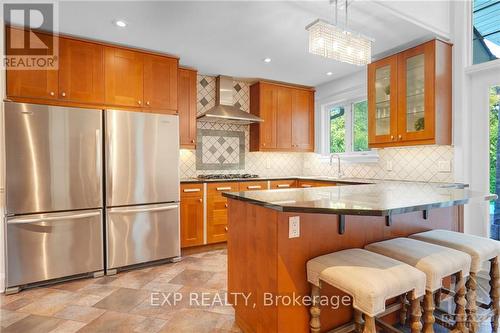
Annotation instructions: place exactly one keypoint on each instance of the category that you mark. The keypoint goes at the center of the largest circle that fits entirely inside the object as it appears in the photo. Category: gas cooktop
(227, 176)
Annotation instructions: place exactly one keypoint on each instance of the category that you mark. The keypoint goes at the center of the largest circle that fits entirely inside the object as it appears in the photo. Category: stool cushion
(369, 278)
(480, 249)
(437, 262)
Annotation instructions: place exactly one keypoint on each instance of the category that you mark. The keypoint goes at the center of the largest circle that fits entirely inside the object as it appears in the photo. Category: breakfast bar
(273, 233)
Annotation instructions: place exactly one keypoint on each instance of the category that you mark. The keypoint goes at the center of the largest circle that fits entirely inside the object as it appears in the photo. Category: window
(494, 145)
(485, 30)
(348, 127)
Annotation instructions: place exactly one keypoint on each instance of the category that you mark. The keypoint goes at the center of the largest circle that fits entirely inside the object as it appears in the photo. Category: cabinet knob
(226, 228)
(392, 137)
(200, 200)
(147, 103)
(192, 141)
(400, 137)
(139, 102)
(264, 144)
(225, 205)
(63, 94)
(52, 93)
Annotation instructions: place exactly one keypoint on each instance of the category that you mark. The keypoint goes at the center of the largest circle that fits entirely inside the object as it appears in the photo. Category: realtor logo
(30, 42)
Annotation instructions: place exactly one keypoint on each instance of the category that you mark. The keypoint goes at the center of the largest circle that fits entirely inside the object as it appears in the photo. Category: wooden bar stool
(437, 262)
(370, 279)
(481, 250)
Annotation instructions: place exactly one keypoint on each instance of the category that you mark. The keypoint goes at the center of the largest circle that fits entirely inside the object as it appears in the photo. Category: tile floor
(130, 302)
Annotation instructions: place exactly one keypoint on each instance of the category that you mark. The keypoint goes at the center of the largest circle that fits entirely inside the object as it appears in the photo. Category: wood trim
(284, 84)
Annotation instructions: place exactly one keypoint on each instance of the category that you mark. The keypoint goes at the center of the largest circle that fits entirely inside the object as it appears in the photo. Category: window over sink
(348, 130)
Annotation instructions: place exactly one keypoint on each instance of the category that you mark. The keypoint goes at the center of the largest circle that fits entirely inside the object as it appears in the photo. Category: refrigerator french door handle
(141, 210)
(51, 219)
(98, 152)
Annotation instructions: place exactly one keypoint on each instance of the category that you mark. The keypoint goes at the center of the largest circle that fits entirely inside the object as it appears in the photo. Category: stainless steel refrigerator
(54, 193)
(142, 188)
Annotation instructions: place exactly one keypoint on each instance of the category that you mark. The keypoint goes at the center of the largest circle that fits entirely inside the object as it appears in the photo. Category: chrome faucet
(340, 174)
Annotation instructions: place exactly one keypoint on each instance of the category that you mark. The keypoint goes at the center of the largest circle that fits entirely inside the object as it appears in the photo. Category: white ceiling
(232, 37)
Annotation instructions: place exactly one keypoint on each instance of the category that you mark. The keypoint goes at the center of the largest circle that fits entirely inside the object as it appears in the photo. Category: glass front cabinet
(409, 97)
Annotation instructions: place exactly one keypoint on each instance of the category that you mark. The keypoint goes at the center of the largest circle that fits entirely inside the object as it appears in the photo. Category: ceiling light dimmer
(338, 43)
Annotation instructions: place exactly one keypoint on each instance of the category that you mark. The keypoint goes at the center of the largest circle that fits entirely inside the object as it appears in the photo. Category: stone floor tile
(32, 324)
(8, 317)
(98, 290)
(87, 299)
(68, 326)
(79, 313)
(122, 300)
(150, 325)
(190, 277)
(49, 304)
(111, 322)
(191, 320)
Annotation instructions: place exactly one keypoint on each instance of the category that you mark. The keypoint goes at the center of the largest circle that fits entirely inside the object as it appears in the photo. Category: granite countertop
(379, 199)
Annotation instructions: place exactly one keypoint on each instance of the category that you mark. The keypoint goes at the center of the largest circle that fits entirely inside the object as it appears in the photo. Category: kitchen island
(268, 263)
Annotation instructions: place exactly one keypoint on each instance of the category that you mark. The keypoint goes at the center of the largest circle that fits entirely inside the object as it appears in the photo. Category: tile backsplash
(224, 148)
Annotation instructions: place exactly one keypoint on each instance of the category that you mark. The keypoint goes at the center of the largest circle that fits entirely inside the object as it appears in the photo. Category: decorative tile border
(220, 150)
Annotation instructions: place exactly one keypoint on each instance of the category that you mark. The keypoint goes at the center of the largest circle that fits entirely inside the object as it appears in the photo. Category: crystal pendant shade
(335, 43)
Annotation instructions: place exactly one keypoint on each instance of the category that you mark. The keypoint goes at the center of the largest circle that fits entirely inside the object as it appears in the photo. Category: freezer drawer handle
(223, 188)
(189, 190)
(56, 218)
(141, 210)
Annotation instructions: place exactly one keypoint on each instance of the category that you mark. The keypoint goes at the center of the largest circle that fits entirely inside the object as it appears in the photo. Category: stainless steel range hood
(224, 110)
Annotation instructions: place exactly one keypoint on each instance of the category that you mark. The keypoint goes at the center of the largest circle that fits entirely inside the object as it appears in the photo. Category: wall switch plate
(294, 227)
(389, 166)
(444, 166)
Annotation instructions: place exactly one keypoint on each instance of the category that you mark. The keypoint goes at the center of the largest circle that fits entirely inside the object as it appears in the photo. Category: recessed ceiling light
(329, 73)
(267, 60)
(120, 23)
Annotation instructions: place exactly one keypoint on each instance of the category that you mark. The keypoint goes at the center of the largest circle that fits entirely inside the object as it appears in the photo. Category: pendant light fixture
(339, 43)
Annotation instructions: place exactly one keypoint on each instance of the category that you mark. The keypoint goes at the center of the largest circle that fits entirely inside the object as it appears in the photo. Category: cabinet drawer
(253, 186)
(191, 190)
(216, 189)
(314, 183)
(285, 183)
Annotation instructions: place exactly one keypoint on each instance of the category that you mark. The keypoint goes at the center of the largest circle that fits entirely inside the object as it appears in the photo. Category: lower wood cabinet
(253, 186)
(314, 183)
(217, 210)
(191, 215)
(283, 183)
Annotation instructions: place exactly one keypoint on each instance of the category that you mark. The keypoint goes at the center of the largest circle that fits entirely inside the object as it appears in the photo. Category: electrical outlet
(389, 166)
(444, 166)
(294, 227)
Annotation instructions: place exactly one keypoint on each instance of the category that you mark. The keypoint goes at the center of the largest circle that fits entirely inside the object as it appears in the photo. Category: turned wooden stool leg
(416, 314)
(495, 292)
(429, 308)
(370, 326)
(358, 321)
(403, 315)
(315, 310)
(460, 303)
(471, 303)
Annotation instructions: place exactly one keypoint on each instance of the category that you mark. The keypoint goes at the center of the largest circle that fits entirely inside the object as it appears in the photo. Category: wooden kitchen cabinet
(81, 71)
(42, 84)
(409, 97)
(217, 226)
(124, 77)
(191, 215)
(187, 99)
(288, 114)
(253, 185)
(160, 83)
(283, 183)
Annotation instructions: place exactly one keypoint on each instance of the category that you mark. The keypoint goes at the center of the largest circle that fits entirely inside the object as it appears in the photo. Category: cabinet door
(284, 119)
(30, 83)
(160, 83)
(187, 93)
(382, 101)
(303, 120)
(217, 210)
(191, 215)
(268, 112)
(123, 77)
(81, 71)
(416, 93)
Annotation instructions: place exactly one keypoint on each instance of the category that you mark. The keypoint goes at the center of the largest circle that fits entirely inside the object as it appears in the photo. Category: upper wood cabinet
(41, 84)
(124, 77)
(98, 75)
(288, 114)
(187, 99)
(409, 97)
(160, 83)
(81, 71)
